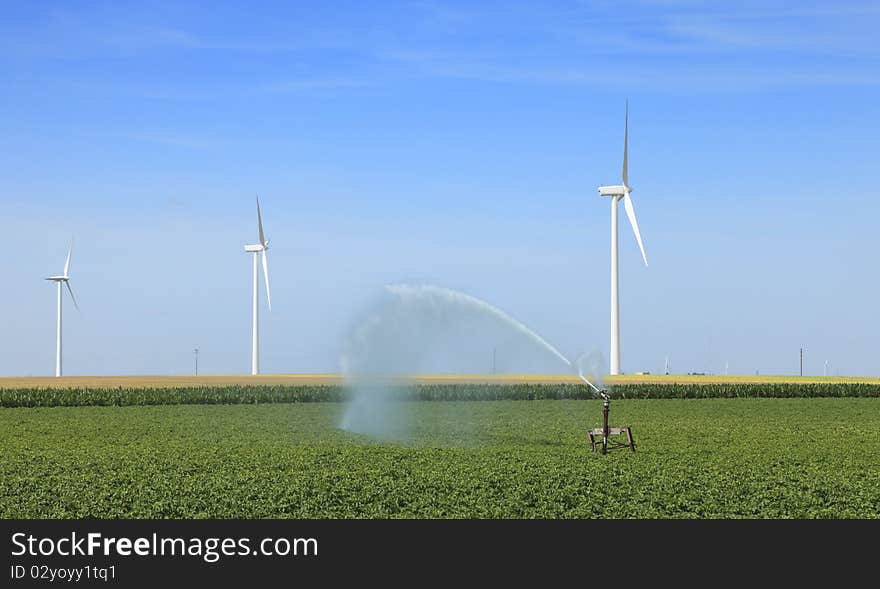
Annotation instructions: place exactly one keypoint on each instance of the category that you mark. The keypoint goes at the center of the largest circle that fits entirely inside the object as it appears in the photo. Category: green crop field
(707, 458)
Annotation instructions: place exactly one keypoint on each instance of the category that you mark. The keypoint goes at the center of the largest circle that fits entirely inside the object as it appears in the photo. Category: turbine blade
(266, 277)
(631, 213)
(260, 223)
(67, 263)
(625, 142)
(70, 290)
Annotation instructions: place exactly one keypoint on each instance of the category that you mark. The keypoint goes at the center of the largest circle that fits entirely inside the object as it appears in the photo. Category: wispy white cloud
(803, 32)
(647, 28)
(664, 45)
(142, 38)
(159, 37)
(676, 79)
(71, 34)
(672, 46)
(445, 13)
(312, 85)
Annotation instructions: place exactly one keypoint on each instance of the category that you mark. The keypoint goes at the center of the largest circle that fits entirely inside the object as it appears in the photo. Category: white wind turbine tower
(258, 249)
(59, 280)
(618, 192)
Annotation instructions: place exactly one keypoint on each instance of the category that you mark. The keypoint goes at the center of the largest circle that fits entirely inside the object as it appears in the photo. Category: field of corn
(275, 452)
(250, 394)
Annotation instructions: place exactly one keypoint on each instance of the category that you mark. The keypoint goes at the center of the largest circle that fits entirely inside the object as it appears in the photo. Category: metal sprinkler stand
(605, 432)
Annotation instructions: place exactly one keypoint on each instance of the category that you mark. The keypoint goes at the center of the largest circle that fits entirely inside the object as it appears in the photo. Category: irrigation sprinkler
(605, 432)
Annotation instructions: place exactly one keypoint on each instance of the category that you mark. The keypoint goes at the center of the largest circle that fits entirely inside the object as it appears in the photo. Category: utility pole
(802, 361)
(196, 352)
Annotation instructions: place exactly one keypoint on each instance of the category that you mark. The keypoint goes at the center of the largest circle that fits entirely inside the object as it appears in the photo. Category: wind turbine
(59, 280)
(257, 249)
(617, 193)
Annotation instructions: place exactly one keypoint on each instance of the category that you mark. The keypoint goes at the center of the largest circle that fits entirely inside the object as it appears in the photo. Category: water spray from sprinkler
(597, 392)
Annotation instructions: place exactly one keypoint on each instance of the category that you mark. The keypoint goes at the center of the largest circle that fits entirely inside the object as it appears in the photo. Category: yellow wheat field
(332, 379)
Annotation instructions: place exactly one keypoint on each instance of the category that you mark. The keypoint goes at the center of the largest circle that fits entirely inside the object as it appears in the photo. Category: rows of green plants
(199, 395)
(707, 458)
(243, 394)
(746, 390)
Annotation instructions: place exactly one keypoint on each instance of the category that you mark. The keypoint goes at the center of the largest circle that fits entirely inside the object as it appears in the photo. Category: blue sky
(451, 143)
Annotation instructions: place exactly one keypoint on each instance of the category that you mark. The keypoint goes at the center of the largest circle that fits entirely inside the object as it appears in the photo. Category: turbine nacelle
(616, 190)
(59, 278)
(258, 247)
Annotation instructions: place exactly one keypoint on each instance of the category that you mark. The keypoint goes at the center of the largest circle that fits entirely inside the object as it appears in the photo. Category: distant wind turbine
(256, 249)
(618, 192)
(63, 278)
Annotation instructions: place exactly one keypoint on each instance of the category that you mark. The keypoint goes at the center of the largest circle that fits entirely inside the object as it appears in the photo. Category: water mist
(430, 329)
